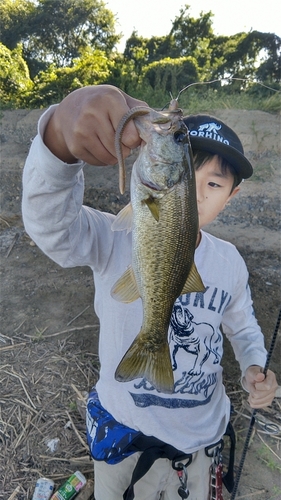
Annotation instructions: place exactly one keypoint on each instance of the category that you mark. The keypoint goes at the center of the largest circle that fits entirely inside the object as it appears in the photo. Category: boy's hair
(201, 157)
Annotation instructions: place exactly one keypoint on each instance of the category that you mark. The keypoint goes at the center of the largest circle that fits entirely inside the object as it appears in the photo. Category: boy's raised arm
(80, 129)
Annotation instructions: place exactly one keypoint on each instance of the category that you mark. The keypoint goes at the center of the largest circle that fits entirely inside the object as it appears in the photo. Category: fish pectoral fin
(153, 206)
(140, 361)
(194, 282)
(126, 288)
(123, 219)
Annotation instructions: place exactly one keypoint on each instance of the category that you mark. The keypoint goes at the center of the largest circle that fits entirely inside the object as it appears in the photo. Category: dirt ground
(49, 331)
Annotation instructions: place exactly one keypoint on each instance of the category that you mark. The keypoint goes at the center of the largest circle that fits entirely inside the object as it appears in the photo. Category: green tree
(57, 31)
(268, 50)
(152, 49)
(15, 83)
(160, 47)
(136, 49)
(171, 75)
(252, 56)
(188, 37)
(190, 34)
(16, 16)
(249, 56)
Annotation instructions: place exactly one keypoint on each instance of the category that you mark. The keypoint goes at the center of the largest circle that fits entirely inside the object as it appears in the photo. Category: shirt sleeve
(53, 211)
(240, 324)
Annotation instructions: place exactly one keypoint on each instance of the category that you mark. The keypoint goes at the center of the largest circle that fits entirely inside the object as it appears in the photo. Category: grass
(38, 335)
(266, 455)
(72, 406)
(264, 169)
(198, 101)
(276, 490)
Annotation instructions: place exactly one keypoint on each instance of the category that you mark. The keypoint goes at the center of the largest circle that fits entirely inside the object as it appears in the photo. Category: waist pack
(111, 442)
(108, 440)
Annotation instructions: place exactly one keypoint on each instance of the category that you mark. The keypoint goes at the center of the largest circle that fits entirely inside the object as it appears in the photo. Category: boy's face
(213, 190)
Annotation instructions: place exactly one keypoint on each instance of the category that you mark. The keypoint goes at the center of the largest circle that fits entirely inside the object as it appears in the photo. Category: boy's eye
(214, 184)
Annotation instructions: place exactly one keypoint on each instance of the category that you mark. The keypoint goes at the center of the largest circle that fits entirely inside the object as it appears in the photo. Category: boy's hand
(261, 389)
(83, 125)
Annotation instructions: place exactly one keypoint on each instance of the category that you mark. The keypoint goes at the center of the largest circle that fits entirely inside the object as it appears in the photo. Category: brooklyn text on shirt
(212, 299)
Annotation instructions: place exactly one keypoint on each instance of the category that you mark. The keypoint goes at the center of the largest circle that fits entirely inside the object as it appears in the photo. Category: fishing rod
(252, 421)
(274, 336)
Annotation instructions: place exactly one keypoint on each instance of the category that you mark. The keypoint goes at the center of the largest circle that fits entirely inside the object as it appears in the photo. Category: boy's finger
(259, 377)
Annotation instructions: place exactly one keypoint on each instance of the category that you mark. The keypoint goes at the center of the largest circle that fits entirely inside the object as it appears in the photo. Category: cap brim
(241, 165)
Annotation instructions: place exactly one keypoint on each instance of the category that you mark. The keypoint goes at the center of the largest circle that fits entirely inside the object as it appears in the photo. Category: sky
(154, 17)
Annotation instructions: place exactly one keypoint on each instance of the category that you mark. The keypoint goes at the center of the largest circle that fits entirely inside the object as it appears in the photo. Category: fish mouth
(165, 185)
(157, 188)
(150, 185)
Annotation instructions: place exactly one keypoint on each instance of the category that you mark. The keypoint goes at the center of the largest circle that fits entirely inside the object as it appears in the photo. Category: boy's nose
(199, 194)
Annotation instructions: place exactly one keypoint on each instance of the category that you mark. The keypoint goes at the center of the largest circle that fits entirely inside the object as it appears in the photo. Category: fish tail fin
(154, 365)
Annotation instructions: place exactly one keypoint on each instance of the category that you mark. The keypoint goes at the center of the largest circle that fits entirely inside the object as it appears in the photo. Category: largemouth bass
(164, 221)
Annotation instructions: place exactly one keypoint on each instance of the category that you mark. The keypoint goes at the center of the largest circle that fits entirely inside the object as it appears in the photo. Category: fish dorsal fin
(194, 282)
(126, 289)
(123, 219)
(153, 207)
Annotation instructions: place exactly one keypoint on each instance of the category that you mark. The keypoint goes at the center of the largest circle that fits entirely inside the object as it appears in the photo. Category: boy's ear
(233, 193)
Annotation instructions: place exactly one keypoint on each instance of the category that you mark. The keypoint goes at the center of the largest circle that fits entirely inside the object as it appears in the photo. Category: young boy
(82, 129)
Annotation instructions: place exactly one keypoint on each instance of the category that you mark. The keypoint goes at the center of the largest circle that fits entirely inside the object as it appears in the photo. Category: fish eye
(180, 136)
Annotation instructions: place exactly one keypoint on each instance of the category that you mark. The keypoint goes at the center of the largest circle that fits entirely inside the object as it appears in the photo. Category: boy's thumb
(259, 376)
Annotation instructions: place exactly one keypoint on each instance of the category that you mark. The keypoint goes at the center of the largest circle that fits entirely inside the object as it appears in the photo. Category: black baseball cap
(208, 133)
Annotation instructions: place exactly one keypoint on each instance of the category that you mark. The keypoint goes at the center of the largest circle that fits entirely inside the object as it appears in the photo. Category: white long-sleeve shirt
(197, 412)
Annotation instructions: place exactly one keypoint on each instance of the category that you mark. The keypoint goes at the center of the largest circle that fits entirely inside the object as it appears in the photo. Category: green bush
(52, 85)
(15, 83)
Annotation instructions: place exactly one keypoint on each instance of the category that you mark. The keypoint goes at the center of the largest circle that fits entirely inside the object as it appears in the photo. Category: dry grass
(44, 381)
(42, 432)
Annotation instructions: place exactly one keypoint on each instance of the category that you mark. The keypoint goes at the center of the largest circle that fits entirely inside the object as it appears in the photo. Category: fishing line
(228, 79)
(252, 421)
